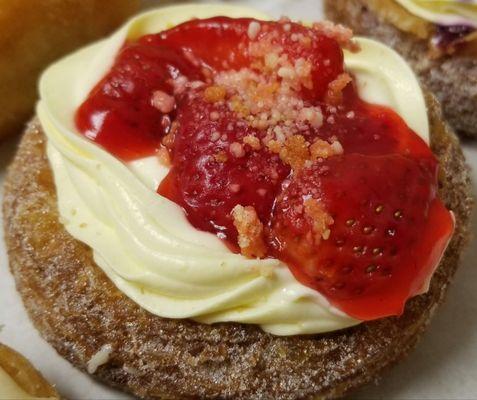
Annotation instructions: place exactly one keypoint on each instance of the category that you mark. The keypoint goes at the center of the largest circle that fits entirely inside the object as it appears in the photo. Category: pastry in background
(20, 380)
(35, 33)
(439, 39)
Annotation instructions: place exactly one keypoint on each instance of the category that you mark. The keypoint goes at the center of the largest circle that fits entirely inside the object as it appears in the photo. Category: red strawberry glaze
(263, 117)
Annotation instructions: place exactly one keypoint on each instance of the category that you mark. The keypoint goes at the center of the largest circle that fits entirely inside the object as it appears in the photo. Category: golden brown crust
(24, 374)
(35, 33)
(78, 310)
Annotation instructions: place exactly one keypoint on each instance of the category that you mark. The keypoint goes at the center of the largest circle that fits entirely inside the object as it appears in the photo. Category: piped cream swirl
(143, 241)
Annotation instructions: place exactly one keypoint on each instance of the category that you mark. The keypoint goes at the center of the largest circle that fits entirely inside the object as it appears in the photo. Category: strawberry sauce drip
(363, 225)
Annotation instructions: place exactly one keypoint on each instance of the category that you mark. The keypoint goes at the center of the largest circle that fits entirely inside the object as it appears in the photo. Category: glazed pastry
(222, 207)
(439, 39)
(19, 380)
(35, 33)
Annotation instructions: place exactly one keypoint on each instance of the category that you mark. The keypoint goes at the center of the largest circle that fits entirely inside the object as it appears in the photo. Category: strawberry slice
(387, 231)
(214, 169)
(118, 113)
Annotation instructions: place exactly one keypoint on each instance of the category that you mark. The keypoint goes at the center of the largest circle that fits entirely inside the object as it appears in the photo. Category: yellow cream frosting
(443, 12)
(143, 241)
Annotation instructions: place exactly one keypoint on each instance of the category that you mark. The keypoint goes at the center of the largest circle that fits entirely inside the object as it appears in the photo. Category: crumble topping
(221, 156)
(163, 102)
(252, 141)
(335, 89)
(267, 95)
(321, 149)
(320, 220)
(292, 151)
(214, 94)
(338, 32)
(250, 231)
